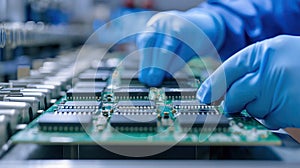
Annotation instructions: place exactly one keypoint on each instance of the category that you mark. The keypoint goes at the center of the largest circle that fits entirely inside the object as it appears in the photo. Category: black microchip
(81, 105)
(84, 94)
(97, 85)
(77, 111)
(51, 122)
(199, 111)
(130, 123)
(174, 84)
(191, 107)
(136, 105)
(207, 122)
(187, 104)
(181, 81)
(131, 93)
(180, 93)
(135, 111)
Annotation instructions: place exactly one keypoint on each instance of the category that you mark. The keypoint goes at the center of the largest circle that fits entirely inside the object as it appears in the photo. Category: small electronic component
(131, 123)
(177, 83)
(196, 123)
(77, 111)
(143, 104)
(131, 93)
(187, 104)
(107, 109)
(200, 111)
(83, 94)
(64, 122)
(180, 93)
(135, 111)
(80, 105)
(194, 108)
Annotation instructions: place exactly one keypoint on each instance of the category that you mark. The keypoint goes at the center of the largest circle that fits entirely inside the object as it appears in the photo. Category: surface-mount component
(129, 111)
(193, 107)
(203, 122)
(138, 123)
(80, 105)
(187, 104)
(84, 94)
(180, 93)
(67, 122)
(77, 111)
(181, 83)
(131, 93)
(143, 104)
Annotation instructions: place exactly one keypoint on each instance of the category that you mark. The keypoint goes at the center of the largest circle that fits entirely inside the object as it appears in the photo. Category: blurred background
(32, 30)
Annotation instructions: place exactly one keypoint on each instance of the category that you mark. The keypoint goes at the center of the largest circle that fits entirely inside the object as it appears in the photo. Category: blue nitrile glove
(172, 38)
(264, 79)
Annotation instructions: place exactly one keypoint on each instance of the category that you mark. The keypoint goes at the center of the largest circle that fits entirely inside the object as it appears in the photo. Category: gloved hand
(264, 79)
(173, 38)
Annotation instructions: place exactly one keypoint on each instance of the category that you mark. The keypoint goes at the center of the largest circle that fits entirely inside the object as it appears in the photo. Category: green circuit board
(168, 115)
(243, 131)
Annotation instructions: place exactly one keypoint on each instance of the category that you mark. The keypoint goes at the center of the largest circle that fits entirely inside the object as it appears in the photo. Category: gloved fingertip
(155, 77)
(143, 75)
(168, 75)
(204, 94)
(224, 107)
(227, 108)
(142, 79)
(231, 108)
(271, 125)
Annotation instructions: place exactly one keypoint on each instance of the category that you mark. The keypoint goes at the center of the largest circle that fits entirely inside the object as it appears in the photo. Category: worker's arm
(230, 25)
(249, 21)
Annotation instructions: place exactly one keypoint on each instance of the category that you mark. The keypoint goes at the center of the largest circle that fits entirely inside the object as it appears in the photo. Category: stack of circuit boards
(105, 104)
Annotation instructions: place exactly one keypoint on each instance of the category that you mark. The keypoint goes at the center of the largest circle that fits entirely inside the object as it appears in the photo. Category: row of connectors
(24, 99)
